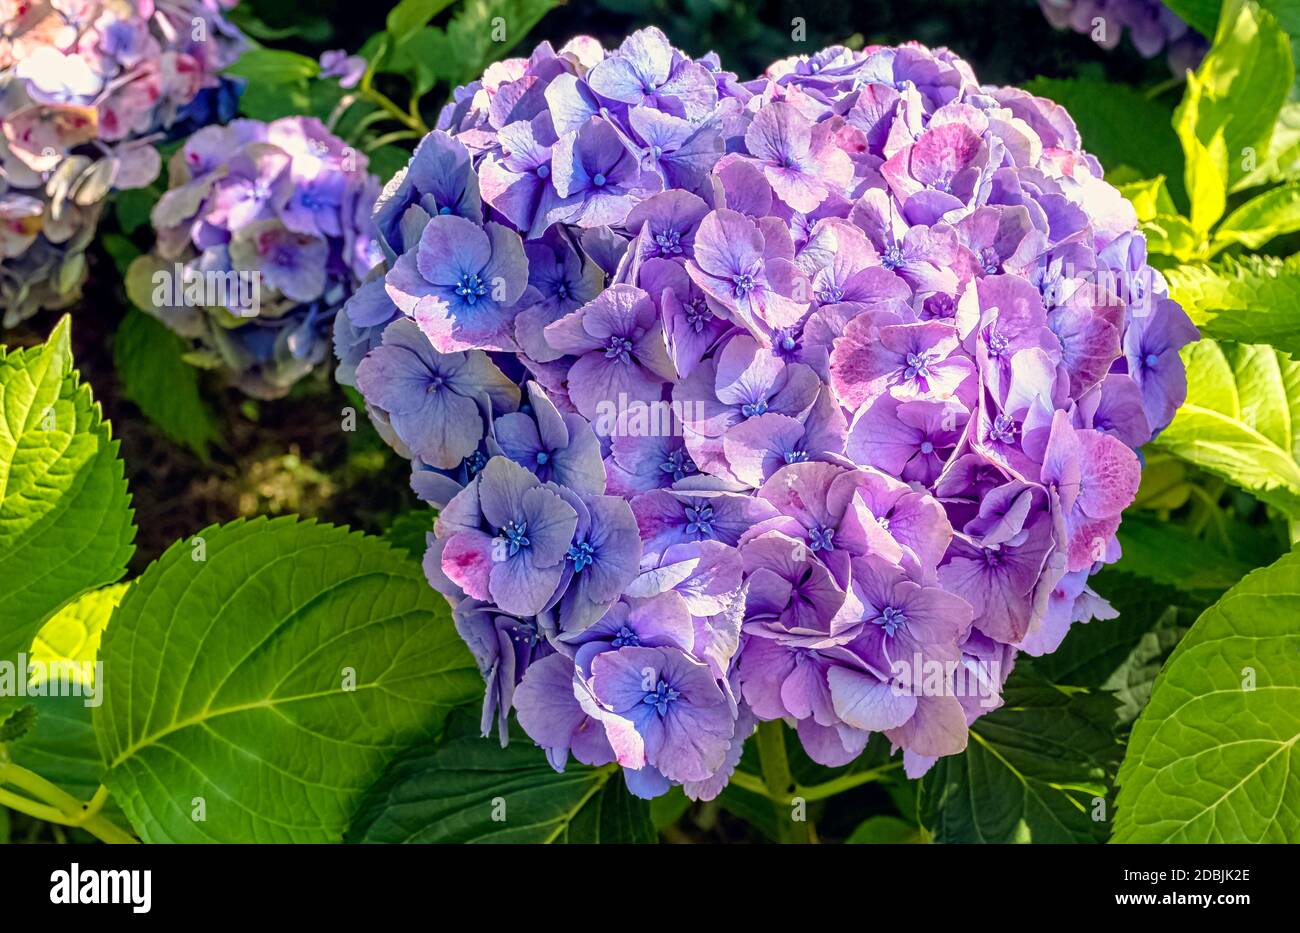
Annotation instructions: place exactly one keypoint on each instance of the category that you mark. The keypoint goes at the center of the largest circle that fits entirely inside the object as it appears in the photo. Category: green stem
(845, 782)
(780, 783)
(55, 805)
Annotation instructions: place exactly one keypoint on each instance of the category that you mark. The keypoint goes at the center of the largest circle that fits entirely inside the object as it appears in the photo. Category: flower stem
(780, 784)
(54, 805)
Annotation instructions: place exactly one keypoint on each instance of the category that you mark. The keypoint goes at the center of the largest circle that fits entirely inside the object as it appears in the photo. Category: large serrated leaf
(1031, 771)
(265, 673)
(469, 789)
(1214, 756)
(1255, 299)
(65, 514)
(1241, 420)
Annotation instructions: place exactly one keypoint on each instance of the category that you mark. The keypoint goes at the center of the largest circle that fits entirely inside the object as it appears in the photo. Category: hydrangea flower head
(278, 215)
(89, 88)
(826, 390)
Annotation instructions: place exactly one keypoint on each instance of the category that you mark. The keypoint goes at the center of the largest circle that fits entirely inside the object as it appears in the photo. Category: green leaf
(1239, 88)
(486, 31)
(1254, 299)
(65, 514)
(154, 375)
(62, 748)
(1133, 680)
(1150, 198)
(469, 789)
(1283, 162)
(1168, 554)
(1262, 218)
(1239, 420)
(884, 830)
(16, 724)
(410, 15)
(1031, 771)
(272, 669)
(273, 67)
(1206, 179)
(1214, 756)
(409, 531)
(1092, 653)
(1105, 114)
(1172, 235)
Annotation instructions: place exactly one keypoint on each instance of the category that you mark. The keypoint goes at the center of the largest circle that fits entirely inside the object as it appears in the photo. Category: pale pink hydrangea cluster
(87, 88)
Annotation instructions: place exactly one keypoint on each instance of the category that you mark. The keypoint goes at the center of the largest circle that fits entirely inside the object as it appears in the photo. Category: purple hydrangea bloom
(270, 222)
(813, 397)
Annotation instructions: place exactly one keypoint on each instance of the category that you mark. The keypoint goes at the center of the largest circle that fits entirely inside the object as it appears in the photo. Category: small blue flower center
(562, 291)
(892, 258)
(998, 344)
(661, 697)
(626, 638)
(516, 536)
(619, 348)
(1003, 429)
(669, 243)
(796, 456)
(831, 294)
(753, 409)
(698, 314)
(598, 180)
(1150, 360)
(742, 284)
(891, 620)
(678, 463)
(543, 458)
(699, 520)
(988, 260)
(471, 288)
(543, 171)
(927, 448)
(582, 555)
(822, 539)
(445, 210)
(918, 366)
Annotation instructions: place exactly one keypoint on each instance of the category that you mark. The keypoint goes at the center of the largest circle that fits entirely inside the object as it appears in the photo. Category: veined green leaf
(1150, 198)
(1032, 771)
(1241, 420)
(1255, 299)
(263, 674)
(1238, 90)
(1172, 235)
(410, 15)
(469, 789)
(1214, 756)
(273, 67)
(61, 747)
(65, 514)
(154, 375)
(1262, 218)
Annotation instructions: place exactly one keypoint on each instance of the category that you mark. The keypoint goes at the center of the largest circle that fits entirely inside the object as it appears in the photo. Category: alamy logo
(103, 886)
(60, 678)
(238, 292)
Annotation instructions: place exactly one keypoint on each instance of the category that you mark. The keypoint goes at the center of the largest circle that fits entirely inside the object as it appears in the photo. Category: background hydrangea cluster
(87, 88)
(1151, 26)
(810, 397)
(281, 209)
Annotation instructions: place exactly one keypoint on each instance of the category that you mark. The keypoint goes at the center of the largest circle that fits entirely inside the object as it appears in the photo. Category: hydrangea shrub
(813, 397)
(86, 91)
(276, 214)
